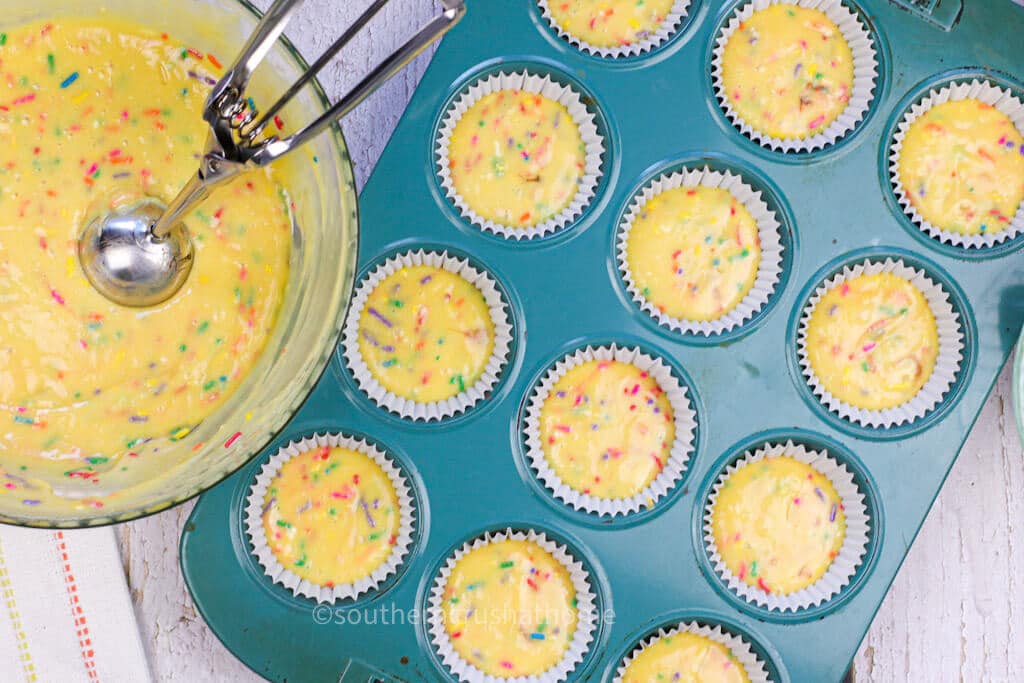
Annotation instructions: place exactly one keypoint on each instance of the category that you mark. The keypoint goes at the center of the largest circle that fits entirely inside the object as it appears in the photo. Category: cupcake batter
(872, 341)
(510, 609)
(962, 167)
(516, 158)
(94, 109)
(331, 516)
(788, 71)
(778, 524)
(607, 429)
(610, 23)
(685, 658)
(426, 333)
(694, 252)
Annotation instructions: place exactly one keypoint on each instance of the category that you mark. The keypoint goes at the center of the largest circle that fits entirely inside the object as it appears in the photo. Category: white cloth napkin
(65, 612)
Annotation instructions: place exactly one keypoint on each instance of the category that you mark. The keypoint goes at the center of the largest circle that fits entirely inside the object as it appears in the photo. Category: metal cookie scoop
(140, 255)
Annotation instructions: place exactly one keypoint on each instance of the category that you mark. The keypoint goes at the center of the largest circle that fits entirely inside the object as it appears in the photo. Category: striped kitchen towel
(65, 613)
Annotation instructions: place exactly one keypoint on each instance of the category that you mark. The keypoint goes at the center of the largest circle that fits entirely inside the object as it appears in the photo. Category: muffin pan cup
(586, 606)
(255, 508)
(1002, 99)
(564, 291)
(474, 393)
(769, 239)
(684, 418)
(947, 364)
(865, 74)
(843, 566)
(547, 86)
(671, 23)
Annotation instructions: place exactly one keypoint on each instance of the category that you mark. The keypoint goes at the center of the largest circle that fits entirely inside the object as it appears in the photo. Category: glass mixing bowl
(323, 262)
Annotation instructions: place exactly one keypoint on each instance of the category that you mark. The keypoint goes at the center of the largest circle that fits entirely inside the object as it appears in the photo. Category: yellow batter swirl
(962, 167)
(331, 516)
(426, 333)
(607, 429)
(685, 658)
(694, 252)
(778, 523)
(788, 71)
(516, 158)
(610, 23)
(872, 341)
(510, 609)
(90, 110)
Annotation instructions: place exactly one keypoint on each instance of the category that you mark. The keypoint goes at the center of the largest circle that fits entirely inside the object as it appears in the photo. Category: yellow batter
(685, 658)
(788, 71)
(778, 523)
(426, 333)
(607, 429)
(516, 158)
(962, 166)
(610, 23)
(872, 341)
(331, 516)
(510, 609)
(694, 252)
(90, 110)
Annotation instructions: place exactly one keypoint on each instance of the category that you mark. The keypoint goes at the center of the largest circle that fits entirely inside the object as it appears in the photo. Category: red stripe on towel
(77, 612)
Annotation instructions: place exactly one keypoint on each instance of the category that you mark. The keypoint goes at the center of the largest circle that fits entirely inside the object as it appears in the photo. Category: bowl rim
(314, 377)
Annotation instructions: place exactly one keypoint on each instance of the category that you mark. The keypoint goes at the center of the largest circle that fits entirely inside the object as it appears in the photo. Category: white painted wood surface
(954, 613)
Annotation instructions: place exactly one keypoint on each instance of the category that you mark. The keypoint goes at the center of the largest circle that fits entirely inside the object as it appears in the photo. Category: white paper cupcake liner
(553, 90)
(947, 364)
(254, 510)
(1000, 98)
(768, 272)
(740, 648)
(436, 410)
(844, 565)
(865, 74)
(673, 19)
(685, 419)
(586, 611)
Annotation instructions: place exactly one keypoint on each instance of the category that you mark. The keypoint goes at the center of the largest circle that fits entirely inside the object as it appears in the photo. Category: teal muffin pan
(834, 210)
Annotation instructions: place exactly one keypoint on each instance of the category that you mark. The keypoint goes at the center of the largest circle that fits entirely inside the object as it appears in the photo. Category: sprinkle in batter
(872, 341)
(962, 166)
(788, 71)
(91, 391)
(610, 23)
(510, 609)
(331, 516)
(607, 429)
(778, 524)
(516, 158)
(426, 333)
(685, 658)
(694, 252)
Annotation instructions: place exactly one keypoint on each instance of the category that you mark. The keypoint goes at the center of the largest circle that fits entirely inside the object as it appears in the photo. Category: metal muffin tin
(656, 111)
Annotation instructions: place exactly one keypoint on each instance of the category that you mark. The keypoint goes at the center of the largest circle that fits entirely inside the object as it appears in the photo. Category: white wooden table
(955, 612)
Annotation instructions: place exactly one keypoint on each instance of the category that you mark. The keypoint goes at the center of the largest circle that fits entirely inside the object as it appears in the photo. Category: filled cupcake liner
(436, 410)
(865, 75)
(272, 567)
(769, 269)
(541, 85)
(586, 611)
(740, 648)
(1000, 98)
(671, 23)
(685, 419)
(844, 565)
(947, 364)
